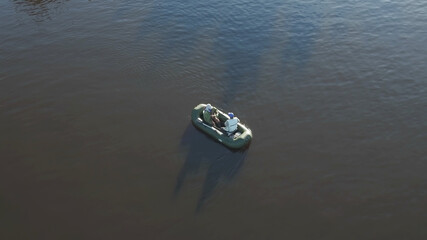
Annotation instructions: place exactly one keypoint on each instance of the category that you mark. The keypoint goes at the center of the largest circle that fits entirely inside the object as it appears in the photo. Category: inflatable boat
(237, 140)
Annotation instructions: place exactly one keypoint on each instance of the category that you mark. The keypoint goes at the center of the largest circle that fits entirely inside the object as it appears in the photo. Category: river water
(96, 140)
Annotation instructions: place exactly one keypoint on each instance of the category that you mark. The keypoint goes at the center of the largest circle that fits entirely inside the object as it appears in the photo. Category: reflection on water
(221, 163)
(285, 32)
(249, 44)
(39, 10)
(303, 27)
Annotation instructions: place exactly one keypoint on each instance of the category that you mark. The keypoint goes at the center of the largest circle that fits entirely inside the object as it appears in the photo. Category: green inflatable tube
(237, 141)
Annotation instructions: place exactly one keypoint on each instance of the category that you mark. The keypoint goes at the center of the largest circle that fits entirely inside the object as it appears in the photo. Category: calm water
(95, 133)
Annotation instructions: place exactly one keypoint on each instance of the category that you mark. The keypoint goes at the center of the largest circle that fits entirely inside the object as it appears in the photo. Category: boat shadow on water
(203, 153)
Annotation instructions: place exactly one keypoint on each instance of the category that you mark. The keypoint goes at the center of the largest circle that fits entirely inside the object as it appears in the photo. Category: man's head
(208, 107)
(231, 115)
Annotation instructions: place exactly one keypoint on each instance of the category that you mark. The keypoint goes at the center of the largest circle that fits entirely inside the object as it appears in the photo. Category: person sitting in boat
(231, 124)
(210, 116)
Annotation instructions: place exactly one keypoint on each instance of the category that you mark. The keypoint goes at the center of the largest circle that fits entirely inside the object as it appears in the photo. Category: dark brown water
(95, 133)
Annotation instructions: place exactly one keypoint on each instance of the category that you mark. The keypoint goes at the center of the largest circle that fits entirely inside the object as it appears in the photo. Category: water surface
(95, 133)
